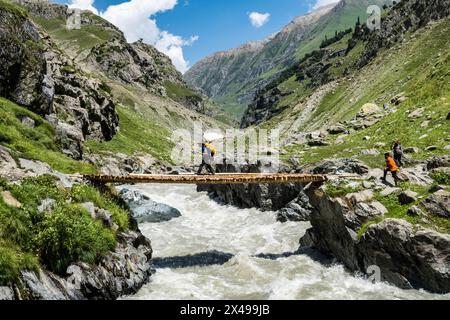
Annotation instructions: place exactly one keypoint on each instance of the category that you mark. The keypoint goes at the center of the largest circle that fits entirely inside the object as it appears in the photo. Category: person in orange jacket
(391, 166)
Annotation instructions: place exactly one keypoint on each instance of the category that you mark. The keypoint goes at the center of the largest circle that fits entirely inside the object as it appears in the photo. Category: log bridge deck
(217, 179)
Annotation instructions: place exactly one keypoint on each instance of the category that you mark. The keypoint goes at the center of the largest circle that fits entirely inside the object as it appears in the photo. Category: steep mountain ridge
(226, 73)
(36, 74)
(79, 76)
(342, 58)
(98, 46)
(239, 73)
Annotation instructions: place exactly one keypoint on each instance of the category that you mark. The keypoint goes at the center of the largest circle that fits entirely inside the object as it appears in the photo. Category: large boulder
(438, 162)
(407, 197)
(144, 209)
(71, 140)
(438, 204)
(368, 109)
(416, 175)
(357, 215)
(337, 129)
(408, 256)
(338, 166)
(6, 293)
(8, 166)
(329, 233)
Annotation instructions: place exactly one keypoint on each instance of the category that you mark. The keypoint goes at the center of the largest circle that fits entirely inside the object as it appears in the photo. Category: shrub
(32, 190)
(12, 262)
(107, 200)
(15, 225)
(69, 235)
(441, 177)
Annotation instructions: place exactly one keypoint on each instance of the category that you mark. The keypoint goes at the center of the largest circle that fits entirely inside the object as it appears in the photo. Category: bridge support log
(209, 179)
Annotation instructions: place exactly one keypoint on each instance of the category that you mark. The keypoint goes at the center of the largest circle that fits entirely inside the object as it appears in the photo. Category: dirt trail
(291, 127)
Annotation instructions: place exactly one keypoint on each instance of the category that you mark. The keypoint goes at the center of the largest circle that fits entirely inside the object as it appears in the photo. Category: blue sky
(188, 30)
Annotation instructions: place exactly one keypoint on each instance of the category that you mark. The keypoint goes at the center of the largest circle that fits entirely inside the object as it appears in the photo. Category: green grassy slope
(78, 40)
(30, 238)
(344, 18)
(419, 69)
(137, 135)
(37, 143)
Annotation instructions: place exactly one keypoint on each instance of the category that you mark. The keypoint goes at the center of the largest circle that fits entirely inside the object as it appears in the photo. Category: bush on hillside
(69, 235)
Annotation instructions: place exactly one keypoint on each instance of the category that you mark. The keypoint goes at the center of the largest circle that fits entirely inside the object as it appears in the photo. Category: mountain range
(231, 78)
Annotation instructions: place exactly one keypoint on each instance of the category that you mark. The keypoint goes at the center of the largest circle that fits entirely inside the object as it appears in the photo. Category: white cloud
(321, 3)
(84, 5)
(259, 19)
(134, 18)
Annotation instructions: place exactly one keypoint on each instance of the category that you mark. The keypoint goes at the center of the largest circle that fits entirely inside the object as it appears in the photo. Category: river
(206, 226)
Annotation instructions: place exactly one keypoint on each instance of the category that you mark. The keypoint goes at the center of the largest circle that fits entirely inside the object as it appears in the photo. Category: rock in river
(146, 210)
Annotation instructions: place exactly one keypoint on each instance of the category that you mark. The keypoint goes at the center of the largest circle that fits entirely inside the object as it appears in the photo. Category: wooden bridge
(220, 178)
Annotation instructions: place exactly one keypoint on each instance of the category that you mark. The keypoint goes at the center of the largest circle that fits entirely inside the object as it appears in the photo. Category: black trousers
(208, 167)
(394, 175)
(398, 159)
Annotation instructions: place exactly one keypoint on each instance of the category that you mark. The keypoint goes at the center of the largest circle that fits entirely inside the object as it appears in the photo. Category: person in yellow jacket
(208, 153)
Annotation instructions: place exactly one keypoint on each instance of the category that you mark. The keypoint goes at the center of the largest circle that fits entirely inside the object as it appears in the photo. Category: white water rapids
(206, 226)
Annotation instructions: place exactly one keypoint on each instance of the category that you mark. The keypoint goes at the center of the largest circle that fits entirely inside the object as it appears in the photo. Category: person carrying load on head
(391, 166)
(208, 153)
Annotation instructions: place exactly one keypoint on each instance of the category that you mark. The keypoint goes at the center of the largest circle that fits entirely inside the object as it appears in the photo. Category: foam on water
(206, 226)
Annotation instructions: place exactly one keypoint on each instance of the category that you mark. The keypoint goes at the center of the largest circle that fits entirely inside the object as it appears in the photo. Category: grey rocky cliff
(34, 73)
(43, 8)
(408, 256)
(137, 63)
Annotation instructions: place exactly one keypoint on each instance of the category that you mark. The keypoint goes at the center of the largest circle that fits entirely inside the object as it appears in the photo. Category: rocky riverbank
(123, 271)
(44, 193)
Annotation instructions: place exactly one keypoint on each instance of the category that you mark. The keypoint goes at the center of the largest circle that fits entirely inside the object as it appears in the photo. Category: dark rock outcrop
(199, 259)
(263, 108)
(406, 16)
(407, 197)
(136, 63)
(408, 256)
(266, 197)
(298, 209)
(34, 73)
(438, 162)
